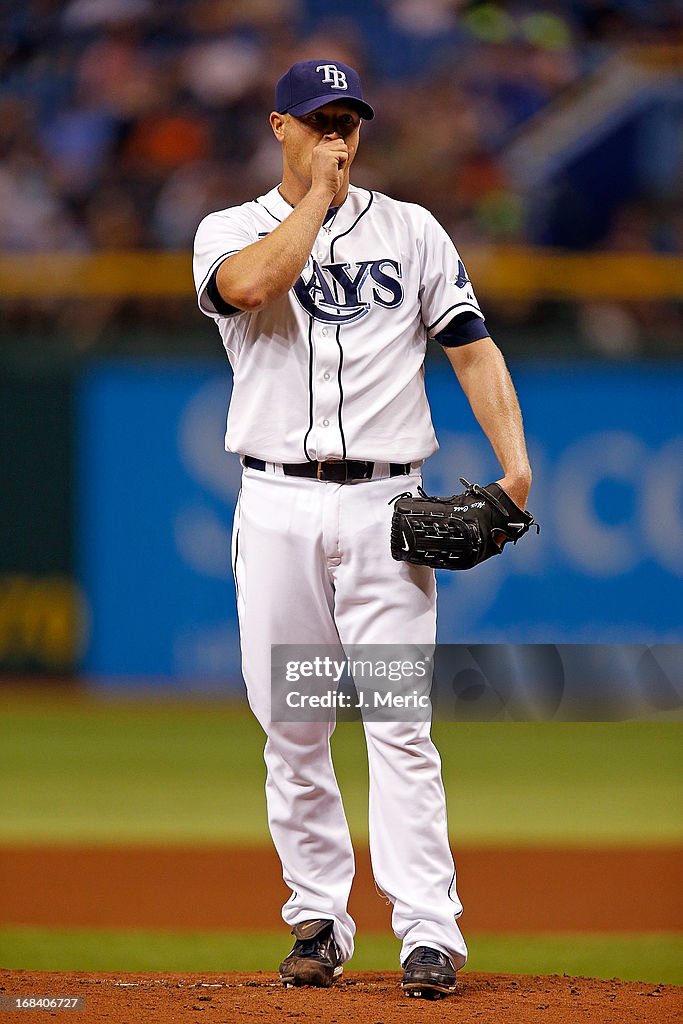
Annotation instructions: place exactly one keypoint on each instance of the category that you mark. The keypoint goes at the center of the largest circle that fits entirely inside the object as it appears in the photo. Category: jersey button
(324, 332)
(326, 376)
(326, 423)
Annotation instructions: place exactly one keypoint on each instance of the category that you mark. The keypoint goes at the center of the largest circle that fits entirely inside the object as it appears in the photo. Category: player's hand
(328, 160)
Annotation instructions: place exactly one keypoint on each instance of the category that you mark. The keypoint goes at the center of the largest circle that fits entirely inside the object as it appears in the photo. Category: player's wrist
(517, 485)
(322, 192)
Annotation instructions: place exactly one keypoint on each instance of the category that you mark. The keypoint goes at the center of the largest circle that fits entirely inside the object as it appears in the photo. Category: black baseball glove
(457, 532)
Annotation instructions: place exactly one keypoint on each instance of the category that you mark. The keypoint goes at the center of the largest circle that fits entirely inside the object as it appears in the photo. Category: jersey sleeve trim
(462, 330)
(215, 297)
(461, 307)
(209, 307)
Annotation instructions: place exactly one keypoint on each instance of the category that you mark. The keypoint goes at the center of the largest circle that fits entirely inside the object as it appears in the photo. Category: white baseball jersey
(334, 368)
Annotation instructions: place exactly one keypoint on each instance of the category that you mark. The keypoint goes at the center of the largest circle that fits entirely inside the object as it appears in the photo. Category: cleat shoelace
(306, 948)
(430, 957)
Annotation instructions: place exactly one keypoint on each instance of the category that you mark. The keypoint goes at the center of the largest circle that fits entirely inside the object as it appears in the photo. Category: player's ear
(277, 123)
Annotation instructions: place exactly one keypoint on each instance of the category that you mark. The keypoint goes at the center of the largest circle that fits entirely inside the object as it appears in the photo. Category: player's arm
(267, 269)
(484, 377)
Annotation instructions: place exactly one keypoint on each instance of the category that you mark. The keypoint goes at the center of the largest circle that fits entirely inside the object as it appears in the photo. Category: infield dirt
(370, 998)
(504, 890)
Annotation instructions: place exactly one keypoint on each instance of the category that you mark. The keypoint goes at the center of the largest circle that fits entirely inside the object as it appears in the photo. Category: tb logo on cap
(335, 78)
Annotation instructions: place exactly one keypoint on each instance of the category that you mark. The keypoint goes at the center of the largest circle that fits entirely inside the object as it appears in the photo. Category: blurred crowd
(123, 122)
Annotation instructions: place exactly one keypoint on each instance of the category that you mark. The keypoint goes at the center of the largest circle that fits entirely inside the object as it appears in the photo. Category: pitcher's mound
(357, 998)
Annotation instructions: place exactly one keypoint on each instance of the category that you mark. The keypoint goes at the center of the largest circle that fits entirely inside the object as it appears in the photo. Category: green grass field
(103, 772)
(654, 958)
(108, 772)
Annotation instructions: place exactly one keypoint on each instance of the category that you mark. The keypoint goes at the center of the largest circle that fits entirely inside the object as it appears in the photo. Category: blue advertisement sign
(157, 492)
(606, 446)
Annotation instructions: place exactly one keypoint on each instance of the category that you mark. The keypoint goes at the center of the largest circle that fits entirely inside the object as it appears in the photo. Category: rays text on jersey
(341, 293)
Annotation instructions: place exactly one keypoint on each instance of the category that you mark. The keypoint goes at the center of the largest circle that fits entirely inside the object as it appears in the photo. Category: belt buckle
(329, 462)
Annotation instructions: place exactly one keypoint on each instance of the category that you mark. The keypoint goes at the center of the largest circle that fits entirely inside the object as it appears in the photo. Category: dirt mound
(360, 998)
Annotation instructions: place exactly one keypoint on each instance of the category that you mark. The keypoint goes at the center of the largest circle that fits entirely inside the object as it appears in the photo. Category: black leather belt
(336, 470)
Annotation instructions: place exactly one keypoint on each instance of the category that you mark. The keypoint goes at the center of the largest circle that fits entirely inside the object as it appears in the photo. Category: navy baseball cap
(310, 84)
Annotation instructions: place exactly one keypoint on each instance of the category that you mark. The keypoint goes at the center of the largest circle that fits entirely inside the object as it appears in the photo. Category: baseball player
(325, 295)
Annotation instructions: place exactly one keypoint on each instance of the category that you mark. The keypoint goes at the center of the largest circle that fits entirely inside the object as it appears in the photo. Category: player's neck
(294, 193)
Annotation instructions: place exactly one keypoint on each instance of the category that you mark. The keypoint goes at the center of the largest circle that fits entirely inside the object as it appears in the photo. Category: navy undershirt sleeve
(219, 303)
(462, 330)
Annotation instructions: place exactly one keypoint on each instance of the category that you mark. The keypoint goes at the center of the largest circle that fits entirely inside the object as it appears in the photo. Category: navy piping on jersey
(470, 306)
(310, 389)
(341, 391)
(338, 331)
(263, 206)
(463, 329)
(349, 230)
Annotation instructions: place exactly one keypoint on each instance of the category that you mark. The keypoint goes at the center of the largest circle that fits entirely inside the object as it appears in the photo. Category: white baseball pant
(313, 565)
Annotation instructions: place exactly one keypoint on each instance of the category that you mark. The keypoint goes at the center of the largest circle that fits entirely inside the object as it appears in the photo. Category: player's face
(300, 136)
(334, 120)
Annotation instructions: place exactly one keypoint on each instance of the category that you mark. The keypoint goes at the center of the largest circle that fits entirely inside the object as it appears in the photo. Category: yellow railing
(524, 273)
(498, 273)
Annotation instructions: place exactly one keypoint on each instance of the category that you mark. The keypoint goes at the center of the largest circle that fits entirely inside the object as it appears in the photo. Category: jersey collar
(276, 206)
(279, 208)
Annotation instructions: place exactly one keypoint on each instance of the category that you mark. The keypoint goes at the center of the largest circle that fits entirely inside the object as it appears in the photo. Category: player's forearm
(267, 269)
(484, 377)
